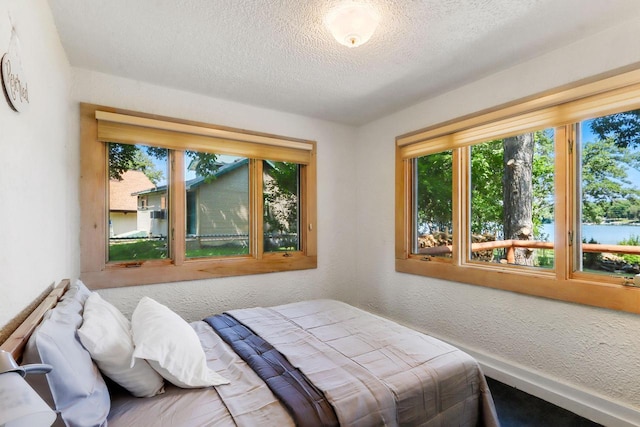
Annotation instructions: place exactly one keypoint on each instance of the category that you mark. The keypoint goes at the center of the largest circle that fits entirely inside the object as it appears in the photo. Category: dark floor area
(518, 409)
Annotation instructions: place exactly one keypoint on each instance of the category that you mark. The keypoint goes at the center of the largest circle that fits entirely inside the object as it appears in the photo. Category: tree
(622, 128)
(486, 188)
(125, 157)
(205, 164)
(518, 192)
(543, 181)
(604, 177)
(434, 182)
(280, 198)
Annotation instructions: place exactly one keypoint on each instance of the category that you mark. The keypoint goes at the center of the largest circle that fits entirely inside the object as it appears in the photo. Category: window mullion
(256, 208)
(309, 207)
(177, 201)
(565, 140)
(406, 216)
(460, 205)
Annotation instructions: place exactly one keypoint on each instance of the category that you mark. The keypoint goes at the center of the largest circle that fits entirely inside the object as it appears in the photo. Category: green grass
(140, 250)
(213, 251)
(544, 258)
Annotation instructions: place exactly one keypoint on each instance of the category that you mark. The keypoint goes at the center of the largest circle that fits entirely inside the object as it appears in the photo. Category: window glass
(217, 205)
(138, 220)
(609, 212)
(281, 206)
(512, 200)
(432, 210)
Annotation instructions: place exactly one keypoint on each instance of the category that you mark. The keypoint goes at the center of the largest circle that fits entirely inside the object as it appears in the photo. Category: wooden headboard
(18, 339)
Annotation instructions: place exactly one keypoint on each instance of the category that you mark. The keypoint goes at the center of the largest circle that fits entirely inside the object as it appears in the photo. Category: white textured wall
(335, 274)
(38, 165)
(590, 348)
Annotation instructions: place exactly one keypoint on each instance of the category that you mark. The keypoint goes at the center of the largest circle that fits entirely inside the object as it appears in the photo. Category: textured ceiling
(278, 54)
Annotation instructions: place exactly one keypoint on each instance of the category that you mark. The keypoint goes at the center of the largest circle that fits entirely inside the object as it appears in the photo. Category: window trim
(98, 124)
(559, 109)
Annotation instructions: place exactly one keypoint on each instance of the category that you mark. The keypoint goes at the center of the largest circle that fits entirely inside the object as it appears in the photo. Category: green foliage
(591, 259)
(622, 128)
(120, 159)
(285, 175)
(280, 198)
(125, 157)
(544, 258)
(435, 184)
(486, 187)
(543, 180)
(632, 240)
(606, 188)
(619, 209)
(204, 164)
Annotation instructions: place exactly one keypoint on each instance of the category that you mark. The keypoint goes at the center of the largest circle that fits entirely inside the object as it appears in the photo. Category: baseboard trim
(585, 403)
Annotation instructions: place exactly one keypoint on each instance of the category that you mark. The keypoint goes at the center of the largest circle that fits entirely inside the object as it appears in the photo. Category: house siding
(122, 222)
(223, 204)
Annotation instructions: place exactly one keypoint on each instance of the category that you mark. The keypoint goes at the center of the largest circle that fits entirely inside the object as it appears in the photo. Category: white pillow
(106, 334)
(170, 346)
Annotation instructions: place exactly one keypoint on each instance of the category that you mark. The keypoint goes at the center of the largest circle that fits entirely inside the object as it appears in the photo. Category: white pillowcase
(171, 346)
(106, 334)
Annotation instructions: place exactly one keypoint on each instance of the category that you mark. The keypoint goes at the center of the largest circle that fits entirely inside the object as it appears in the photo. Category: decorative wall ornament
(14, 80)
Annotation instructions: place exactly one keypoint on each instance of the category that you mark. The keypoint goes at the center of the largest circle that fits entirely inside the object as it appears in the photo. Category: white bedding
(372, 370)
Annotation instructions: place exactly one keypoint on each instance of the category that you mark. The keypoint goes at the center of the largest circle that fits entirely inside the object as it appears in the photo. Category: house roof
(279, 54)
(122, 193)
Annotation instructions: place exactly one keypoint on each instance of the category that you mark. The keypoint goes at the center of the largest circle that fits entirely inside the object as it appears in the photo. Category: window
(540, 197)
(511, 194)
(217, 194)
(281, 196)
(608, 164)
(137, 172)
(142, 203)
(432, 205)
(204, 201)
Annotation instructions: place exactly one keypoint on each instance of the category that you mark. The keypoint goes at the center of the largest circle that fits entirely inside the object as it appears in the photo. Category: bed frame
(16, 342)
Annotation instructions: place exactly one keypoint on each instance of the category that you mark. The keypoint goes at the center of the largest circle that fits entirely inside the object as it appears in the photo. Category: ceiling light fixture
(352, 24)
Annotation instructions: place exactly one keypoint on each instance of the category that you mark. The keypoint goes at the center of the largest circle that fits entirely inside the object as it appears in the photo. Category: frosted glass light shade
(352, 24)
(20, 405)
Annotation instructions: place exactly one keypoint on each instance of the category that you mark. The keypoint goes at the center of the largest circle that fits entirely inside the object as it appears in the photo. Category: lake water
(605, 234)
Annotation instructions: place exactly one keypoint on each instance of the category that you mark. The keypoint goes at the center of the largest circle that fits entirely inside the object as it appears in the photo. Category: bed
(309, 363)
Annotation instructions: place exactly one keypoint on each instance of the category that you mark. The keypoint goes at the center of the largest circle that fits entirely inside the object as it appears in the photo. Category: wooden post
(511, 255)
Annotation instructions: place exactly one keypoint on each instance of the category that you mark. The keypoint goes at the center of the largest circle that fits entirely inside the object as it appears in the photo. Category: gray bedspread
(373, 371)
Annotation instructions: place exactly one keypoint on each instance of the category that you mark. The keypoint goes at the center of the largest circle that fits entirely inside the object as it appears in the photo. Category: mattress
(373, 372)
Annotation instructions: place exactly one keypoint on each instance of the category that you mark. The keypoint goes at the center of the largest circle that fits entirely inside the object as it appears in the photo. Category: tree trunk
(518, 193)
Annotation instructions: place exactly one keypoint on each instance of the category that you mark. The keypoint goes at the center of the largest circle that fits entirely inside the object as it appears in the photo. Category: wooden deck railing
(511, 245)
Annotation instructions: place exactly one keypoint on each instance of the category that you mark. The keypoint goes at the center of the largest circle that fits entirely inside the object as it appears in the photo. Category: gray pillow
(74, 388)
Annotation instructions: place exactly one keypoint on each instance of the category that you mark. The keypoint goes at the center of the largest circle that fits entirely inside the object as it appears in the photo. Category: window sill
(151, 272)
(605, 293)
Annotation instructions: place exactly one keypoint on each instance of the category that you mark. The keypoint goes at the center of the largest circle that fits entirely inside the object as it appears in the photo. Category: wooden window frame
(562, 110)
(99, 124)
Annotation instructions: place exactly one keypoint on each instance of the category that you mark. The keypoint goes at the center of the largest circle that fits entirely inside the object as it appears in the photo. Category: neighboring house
(218, 207)
(123, 202)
